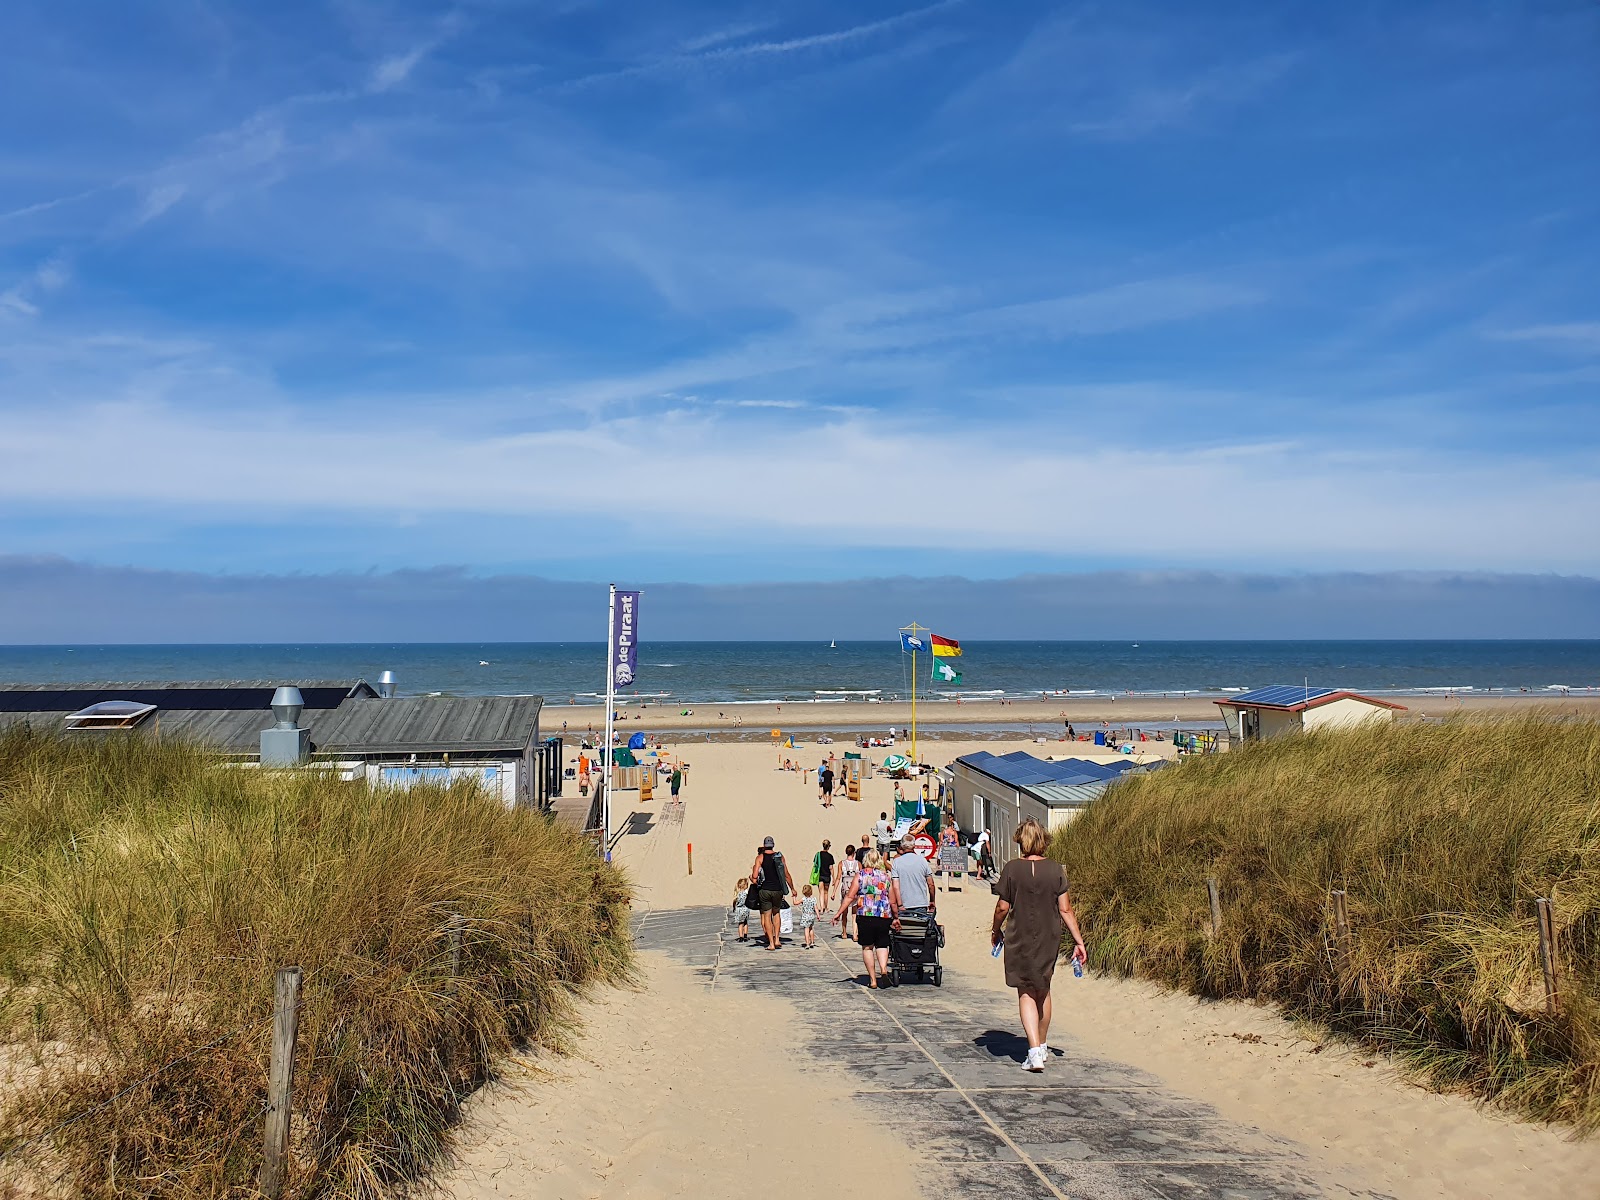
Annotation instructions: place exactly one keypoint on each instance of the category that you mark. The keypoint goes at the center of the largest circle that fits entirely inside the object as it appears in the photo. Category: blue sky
(776, 291)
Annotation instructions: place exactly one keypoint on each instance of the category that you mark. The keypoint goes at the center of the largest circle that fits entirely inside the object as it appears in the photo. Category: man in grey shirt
(915, 877)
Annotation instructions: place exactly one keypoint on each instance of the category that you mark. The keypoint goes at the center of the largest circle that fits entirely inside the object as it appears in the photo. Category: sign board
(953, 858)
(927, 847)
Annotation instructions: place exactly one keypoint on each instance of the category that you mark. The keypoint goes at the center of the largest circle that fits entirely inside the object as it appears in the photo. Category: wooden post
(457, 926)
(689, 846)
(1547, 955)
(1216, 905)
(1341, 916)
(280, 1080)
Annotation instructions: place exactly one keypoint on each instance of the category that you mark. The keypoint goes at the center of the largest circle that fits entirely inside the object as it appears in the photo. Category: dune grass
(1442, 836)
(148, 893)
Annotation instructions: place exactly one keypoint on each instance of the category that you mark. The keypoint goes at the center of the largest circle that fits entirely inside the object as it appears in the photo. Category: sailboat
(833, 645)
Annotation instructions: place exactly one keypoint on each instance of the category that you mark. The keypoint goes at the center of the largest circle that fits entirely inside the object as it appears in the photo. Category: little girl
(808, 916)
(849, 867)
(741, 914)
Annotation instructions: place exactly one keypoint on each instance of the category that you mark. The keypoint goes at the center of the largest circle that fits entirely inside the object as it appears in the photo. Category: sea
(731, 673)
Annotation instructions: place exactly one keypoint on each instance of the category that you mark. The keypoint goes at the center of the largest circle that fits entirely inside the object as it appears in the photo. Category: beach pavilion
(1294, 708)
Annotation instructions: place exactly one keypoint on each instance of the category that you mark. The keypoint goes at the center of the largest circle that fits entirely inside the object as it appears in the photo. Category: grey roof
(170, 695)
(1061, 783)
(432, 725)
(233, 731)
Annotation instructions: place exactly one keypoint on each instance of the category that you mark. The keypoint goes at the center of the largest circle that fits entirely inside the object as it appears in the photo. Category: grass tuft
(1442, 836)
(149, 892)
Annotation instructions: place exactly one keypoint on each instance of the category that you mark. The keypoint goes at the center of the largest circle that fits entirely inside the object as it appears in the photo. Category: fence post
(689, 846)
(1547, 954)
(457, 924)
(280, 1080)
(1341, 916)
(1216, 905)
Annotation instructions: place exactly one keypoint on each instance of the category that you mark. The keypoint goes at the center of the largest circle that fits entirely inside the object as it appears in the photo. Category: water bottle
(1077, 968)
(998, 946)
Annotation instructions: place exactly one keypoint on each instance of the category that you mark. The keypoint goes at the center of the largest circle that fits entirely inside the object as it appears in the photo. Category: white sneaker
(1044, 1054)
(1035, 1062)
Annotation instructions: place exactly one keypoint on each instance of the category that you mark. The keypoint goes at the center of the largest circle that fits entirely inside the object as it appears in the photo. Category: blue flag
(913, 643)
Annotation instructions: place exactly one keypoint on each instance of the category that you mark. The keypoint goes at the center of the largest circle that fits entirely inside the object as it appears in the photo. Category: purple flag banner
(625, 639)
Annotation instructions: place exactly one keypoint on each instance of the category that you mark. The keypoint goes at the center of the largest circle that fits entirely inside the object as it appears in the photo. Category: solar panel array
(1020, 769)
(1283, 695)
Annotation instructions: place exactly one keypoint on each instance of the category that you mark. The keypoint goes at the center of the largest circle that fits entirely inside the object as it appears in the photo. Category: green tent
(623, 757)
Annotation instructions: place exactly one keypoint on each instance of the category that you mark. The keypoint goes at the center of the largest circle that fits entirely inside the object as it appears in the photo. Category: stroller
(914, 947)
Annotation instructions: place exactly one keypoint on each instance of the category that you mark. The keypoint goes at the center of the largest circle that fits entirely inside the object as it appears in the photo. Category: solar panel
(1282, 695)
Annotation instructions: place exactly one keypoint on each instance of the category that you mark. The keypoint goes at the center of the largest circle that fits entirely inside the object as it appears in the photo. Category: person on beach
(980, 852)
(1031, 908)
(822, 868)
(677, 779)
(876, 900)
(808, 918)
(848, 870)
(825, 786)
(914, 878)
(741, 910)
(881, 833)
(775, 880)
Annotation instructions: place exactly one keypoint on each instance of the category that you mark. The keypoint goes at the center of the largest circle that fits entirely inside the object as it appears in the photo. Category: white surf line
(960, 1091)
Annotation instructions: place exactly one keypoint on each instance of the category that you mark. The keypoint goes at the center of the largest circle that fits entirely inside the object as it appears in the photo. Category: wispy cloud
(1582, 337)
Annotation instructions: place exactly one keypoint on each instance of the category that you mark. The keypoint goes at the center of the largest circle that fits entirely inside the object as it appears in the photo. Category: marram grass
(1442, 836)
(147, 895)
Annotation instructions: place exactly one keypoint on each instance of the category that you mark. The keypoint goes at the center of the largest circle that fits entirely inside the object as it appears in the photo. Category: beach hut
(1295, 708)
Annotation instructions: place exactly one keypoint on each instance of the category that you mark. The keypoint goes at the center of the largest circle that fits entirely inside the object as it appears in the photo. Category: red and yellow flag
(945, 647)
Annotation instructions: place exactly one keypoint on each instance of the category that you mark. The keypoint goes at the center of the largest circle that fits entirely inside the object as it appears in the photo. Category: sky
(780, 291)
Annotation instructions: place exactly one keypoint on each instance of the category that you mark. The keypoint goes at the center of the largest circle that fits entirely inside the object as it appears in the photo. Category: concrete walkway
(945, 1065)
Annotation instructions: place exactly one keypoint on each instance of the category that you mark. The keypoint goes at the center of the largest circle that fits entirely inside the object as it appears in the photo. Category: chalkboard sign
(953, 858)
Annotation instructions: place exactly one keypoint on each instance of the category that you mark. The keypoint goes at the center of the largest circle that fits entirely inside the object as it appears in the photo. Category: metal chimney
(387, 685)
(286, 744)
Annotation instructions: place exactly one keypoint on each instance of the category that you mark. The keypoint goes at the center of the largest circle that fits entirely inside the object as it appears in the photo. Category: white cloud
(845, 481)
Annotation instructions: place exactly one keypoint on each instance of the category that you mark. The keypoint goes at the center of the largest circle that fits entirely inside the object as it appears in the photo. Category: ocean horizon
(704, 672)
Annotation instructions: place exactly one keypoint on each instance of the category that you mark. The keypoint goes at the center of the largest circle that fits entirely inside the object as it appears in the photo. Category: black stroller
(914, 950)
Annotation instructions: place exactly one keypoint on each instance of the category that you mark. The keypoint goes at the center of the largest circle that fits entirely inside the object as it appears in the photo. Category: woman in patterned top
(874, 897)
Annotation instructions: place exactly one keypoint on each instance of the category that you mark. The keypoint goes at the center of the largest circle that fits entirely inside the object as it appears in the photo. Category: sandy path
(1360, 1122)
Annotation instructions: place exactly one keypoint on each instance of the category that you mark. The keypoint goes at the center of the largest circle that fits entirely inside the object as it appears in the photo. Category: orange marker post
(689, 846)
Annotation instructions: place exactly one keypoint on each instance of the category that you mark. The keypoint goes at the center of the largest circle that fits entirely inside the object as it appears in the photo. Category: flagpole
(611, 696)
(914, 704)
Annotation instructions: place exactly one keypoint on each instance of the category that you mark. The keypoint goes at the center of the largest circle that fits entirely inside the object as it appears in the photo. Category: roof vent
(387, 685)
(286, 744)
(287, 705)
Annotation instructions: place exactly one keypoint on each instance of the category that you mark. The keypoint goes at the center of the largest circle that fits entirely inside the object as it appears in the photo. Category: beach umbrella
(896, 762)
(636, 742)
(777, 733)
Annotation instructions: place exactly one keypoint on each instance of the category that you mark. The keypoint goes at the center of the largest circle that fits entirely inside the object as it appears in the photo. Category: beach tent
(623, 758)
(636, 742)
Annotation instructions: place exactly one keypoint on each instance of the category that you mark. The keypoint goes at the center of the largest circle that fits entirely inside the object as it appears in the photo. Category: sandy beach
(1045, 716)
(655, 1101)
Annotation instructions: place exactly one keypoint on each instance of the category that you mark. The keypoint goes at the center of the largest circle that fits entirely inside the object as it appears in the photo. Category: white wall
(498, 778)
(1061, 816)
(1345, 714)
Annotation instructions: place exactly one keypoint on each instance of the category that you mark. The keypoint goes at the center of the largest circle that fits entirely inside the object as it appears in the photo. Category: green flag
(943, 672)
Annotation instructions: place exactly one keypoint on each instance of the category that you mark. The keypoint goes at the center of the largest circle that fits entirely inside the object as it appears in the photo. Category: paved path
(945, 1065)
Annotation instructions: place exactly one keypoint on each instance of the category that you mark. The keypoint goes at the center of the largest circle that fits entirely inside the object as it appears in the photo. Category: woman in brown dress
(1032, 891)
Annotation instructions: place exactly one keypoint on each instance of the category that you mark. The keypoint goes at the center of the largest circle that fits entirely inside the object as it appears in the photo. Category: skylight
(110, 714)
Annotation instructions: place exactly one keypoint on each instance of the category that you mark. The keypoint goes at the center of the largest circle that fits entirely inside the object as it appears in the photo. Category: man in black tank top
(772, 878)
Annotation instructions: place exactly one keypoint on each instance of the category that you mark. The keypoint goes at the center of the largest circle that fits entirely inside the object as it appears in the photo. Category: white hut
(1289, 708)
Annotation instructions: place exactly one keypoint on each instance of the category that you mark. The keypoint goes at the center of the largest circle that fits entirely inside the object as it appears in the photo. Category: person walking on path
(1029, 913)
(882, 831)
(825, 786)
(677, 779)
(876, 899)
(848, 869)
(741, 911)
(822, 869)
(773, 874)
(915, 879)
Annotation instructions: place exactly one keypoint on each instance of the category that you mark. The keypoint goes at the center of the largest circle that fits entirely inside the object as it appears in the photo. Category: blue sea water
(733, 672)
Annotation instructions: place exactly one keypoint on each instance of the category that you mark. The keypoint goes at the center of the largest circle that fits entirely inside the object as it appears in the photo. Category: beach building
(1294, 708)
(364, 732)
(998, 792)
